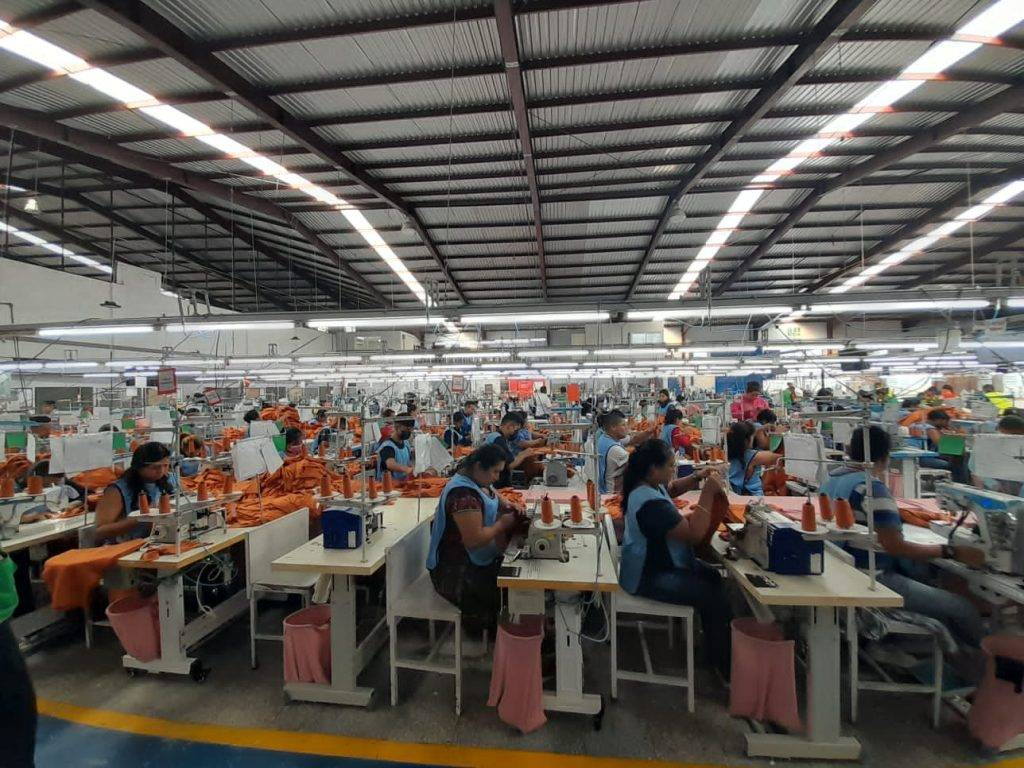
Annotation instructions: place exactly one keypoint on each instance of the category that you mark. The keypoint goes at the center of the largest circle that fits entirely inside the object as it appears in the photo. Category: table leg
(171, 610)
(823, 740)
(569, 695)
(346, 656)
(908, 470)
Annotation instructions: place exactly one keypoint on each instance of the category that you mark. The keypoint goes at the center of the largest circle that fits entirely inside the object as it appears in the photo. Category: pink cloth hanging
(307, 645)
(997, 715)
(517, 687)
(763, 681)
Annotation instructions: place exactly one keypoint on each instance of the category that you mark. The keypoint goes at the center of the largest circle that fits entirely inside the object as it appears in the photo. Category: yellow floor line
(327, 745)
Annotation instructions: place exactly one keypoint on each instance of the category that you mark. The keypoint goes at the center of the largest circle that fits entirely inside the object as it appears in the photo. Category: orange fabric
(286, 414)
(773, 481)
(15, 466)
(915, 514)
(921, 414)
(95, 479)
(72, 576)
(512, 496)
(246, 513)
(155, 553)
(424, 488)
(613, 505)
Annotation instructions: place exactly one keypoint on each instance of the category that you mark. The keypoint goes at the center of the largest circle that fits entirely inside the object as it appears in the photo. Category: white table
(840, 586)
(43, 531)
(590, 569)
(177, 636)
(909, 459)
(349, 656)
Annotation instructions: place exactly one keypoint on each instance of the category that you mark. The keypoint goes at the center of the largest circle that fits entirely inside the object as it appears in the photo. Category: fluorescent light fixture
(603, 364)
(107, 375)
(520, 342)
(476, 355)
(728, 348)
(631, 351)
(909, 344)
(1015, 302)
(93, 330)
(331, 359)
(187, 361)
(532, 353)
(21, 366)
(540, 318)
(408, 356)
(390, 321)
(503, 365)
(69, 365)
(672, 314)
(131, 363)
(257, 325)
(560, 365)
(113, 86)
(994, 344)
(899, 306)
(177, 120)
(810, 346)
(257, 360)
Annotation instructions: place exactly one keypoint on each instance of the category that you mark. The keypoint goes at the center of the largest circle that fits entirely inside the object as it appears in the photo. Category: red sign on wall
(166, 381)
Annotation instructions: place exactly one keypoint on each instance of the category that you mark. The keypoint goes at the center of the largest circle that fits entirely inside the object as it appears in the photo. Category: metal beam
(506, 24)
(933, 215)
(143, 21)
(826, 33)
(1001, 243)
(1007, 99)
(92, 145)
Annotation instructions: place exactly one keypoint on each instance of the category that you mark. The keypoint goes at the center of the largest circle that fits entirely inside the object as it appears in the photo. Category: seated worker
(58, 493)
(413, 412)
(657, 560)
(764, 429)
(192, 451)
(746, 461)
(453, 432)
(503, 438)
(469, 533)
(902, 565)
(249, 417)
(525, 438)
(947, 392)
(149, 473)
(931, 430)
(664, 401)
(749, 404)
(294, 442)
(1000, 400)
(468, 411)
(387, 428)
(1007, 425)
(612, 438)
(394, 453)
(790, 397)
(672, 431)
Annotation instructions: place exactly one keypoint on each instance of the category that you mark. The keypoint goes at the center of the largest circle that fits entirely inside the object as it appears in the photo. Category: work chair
(625, 604)
(411, 595)
(263, 545)
(886, 682)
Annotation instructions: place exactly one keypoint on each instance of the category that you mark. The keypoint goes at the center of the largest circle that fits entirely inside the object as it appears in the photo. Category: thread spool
(389, 484)
(808, 518)
(592, 495)
(165, 503)
(844, 514)
(576, 509)
(202, 494)
(229, 484)
(825, 505)
(35, 484)
(547, 510)
(322, 449)
(7, 488)
(325, 485)
(371, 488)
(346, 486)
(143, 504)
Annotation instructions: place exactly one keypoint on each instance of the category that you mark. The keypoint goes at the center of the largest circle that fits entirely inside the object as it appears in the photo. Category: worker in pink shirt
(749, 404)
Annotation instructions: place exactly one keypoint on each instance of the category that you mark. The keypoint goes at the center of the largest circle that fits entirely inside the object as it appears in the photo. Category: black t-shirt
(387, 452)
(505, 479)
(656, 518)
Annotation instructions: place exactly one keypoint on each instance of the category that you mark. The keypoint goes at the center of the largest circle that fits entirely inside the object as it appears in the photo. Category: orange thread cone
(389, 484)
(322, 450)
(35, 484)
(371, 488)
(165, 504)
(143, 504)
(592, 495)
(202, 494)
(576, 509)
(807, 517)
(825, 505)
(844, 514)
(547, 510)
(346, 486)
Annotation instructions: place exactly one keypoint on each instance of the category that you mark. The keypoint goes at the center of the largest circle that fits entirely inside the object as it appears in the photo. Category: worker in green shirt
(17, 697)
(790, 396)
(1000, 400)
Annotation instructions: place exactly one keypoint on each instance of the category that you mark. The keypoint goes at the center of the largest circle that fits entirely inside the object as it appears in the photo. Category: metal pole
(869, 505)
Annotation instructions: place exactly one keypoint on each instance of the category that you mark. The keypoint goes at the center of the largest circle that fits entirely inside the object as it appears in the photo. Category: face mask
(293, 450)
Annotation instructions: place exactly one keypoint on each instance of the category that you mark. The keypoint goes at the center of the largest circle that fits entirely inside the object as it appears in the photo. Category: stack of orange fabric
(921, 414)
(613, 505)
(424, 488)
(461, 450)
(72, 576)
(918, 514)
(98, 479)
(774, 481)
(512, 496)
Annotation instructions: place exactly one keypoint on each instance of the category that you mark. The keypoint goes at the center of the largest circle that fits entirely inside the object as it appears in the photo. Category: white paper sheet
(842, 432)
(30, 447)
(79, 453)
(430, 453)
(263, 429)
(372, 431)
(804, 454)
(254, 456)
(999, 457)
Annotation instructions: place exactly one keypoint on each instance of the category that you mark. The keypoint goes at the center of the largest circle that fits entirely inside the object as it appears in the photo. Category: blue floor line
(61, 744)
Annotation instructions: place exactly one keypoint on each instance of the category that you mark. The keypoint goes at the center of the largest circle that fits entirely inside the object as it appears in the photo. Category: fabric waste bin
(997, 715)
(517, 687)
(307, 645)
(762, 685)
(136, 622)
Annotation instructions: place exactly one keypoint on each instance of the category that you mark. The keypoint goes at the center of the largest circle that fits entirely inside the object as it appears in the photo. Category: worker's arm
(521, 457)
(893, 543)
(392, 465)
(475, 534)
(762, 439)
(767, 458)
(108, 512)
(537, 442)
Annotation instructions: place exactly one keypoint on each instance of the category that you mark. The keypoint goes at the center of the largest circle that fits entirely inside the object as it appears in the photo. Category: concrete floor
(647, 722)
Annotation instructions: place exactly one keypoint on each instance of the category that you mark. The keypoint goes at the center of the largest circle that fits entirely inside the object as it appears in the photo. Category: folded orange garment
(72, 511)
(424, 488)
(460, 451)
(97, 478)
(918, 515)
(247, 512)
(72, 576)
(512, 496)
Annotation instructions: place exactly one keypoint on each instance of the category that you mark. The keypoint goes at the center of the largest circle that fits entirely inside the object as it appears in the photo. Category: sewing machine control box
(544, 543)
(781, 548)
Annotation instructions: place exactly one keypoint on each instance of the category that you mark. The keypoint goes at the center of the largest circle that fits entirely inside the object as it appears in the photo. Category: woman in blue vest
(394, 454)
(148, 473)
(902, 565)
(657, 559)
(745, 461)
(470, 530)
(664, 401)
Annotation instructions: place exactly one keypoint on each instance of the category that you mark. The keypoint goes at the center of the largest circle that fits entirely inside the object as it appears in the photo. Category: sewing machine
(556, 472)
(777, 545)
(187, 519)
(999, 527)
(547, 541)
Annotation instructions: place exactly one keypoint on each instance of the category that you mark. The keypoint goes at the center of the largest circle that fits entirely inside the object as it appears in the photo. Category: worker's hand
(970, 556)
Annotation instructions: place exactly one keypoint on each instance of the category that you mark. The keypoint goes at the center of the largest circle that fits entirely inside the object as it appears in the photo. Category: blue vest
(666, 434)
(484, 555)
(490, 437)
(663, 408)
(738, 479)
(467, 425)
(604, 445)
(189, 467)
(131, 504)
(403, 455)
(634, 543)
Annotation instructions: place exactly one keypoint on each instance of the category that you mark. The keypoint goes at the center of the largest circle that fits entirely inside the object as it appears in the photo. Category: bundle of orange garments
(512, 496)
(461, 451)
(913, 513)
(424, 488)
(774, 481)
(97, 479)
(286, 414)
(72, 576)
(921, 414)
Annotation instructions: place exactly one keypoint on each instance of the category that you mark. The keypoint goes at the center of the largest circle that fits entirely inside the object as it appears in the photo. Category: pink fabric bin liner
(136, 622)
(516, 682)
(998, 712)
(763, 684)
(307, 645)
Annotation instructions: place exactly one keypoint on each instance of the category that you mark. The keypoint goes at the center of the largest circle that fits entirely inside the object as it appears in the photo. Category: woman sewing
(149, 473)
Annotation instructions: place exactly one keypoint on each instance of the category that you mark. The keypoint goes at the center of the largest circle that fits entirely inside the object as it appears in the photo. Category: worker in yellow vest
(1000, 400)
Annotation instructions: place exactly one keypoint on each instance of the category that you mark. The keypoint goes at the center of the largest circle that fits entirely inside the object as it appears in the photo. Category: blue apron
(131, 504)
(403, 455)
(663, 408)
(634, 543)
(466, 430)
(843, 485)
(738, 479)
(666, 434)
(484, 555)
(490, 437)
(604, 445)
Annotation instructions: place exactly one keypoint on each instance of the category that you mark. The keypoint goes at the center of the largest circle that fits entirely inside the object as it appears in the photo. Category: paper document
(999, 457)
(79, 453)
(254, 456)
(263, 429)
(804, 457)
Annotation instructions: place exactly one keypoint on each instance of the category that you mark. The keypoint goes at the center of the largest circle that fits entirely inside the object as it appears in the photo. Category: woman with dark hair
(903, 565)
(672, 432)
(294, 442)
(657, 559)
(148, 473)
(249, 417)
(745, 461)
(470, 530)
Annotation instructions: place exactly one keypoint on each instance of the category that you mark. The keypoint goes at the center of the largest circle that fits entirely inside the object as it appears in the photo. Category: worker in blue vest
(149, 473)
(394, 453)
(612, 439)
(664, 401)
(466, 428)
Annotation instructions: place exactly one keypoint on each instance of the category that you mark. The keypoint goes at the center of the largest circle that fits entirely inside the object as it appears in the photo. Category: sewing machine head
(556, 472)
(546, 543)
(999, 523)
